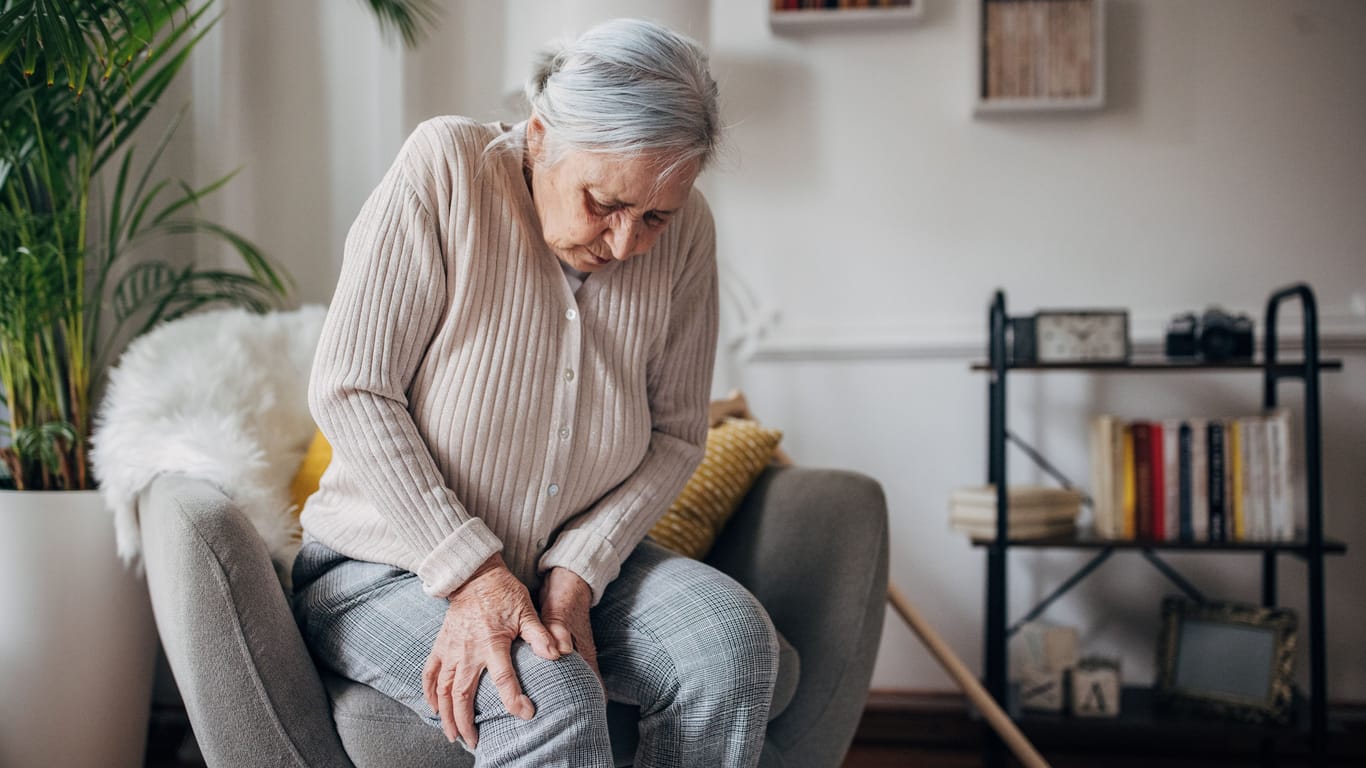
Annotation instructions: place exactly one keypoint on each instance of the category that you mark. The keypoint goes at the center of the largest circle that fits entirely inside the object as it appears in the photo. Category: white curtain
(312, 101)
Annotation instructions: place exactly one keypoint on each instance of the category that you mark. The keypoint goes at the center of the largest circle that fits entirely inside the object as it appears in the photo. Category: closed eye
(598, 208)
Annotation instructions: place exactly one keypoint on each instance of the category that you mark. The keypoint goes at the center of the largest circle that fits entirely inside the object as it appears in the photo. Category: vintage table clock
(1062, 337)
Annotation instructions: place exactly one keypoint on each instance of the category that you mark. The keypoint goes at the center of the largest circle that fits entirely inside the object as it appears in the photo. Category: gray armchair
(810, 544)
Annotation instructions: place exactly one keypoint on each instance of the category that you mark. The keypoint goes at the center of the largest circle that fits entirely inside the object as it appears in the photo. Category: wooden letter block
(1060, 647)
(1044, 647)
(1042, 690)
(1095, 688)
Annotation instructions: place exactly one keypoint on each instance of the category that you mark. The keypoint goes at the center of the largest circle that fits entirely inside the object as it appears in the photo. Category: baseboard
(919, 718)
(944, 720)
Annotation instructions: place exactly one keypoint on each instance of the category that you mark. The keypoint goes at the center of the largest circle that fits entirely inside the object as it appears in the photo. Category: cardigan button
(571, 313)
(569, 374)
(553, 490)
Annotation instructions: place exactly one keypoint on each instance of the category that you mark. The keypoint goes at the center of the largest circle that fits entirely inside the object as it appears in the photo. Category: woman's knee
(570, 723)
(713, 630)
(565, 689)
(739, 643)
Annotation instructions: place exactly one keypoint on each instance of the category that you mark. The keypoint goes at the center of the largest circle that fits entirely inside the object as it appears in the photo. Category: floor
(898, 757)
(882, 756)
(171, 746)
(875, 756)
(167, 752)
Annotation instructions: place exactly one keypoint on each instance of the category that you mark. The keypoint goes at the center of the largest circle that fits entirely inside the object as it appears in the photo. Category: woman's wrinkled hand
(485, 616)
(565, 602)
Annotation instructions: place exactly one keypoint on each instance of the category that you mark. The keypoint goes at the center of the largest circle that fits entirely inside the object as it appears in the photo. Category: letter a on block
(1094, 700)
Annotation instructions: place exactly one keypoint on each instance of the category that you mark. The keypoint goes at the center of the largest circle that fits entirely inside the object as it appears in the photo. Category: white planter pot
(77, 640)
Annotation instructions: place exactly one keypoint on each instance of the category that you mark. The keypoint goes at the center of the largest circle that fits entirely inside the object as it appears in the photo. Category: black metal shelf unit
(1309, 545)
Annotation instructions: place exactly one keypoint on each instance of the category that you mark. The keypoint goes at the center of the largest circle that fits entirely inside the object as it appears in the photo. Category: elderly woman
(514, 377)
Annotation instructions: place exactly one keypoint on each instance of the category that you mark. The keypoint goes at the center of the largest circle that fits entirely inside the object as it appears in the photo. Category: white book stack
(1034, 512)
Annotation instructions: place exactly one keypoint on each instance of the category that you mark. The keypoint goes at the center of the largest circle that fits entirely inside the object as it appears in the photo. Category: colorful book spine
(1258, 481)
(1143, 480)
(1117, 477)
(1235, 456)
(1102, 478)
(1185, 489)
(1157, 527)
(1126, 463)
(1199, 479)
(1171, 479)
(1278, 466)
(1217, 477)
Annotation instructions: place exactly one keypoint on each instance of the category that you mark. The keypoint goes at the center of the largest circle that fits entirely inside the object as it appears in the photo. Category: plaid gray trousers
(677, 638)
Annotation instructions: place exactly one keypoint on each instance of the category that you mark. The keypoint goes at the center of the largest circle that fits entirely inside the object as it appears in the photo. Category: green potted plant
(78, 83)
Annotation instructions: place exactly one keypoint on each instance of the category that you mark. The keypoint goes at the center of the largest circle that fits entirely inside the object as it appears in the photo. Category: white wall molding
(1340, 333)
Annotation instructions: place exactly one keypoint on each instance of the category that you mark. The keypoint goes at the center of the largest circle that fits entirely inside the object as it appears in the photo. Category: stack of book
(1039, 49)
(1033, 513)
(1195, 480)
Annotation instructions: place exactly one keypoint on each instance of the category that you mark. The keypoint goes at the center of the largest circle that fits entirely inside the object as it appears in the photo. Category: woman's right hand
(487, 613)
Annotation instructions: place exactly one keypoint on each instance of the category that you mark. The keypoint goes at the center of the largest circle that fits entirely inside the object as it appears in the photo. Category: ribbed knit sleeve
(678, 384)
(389, 302)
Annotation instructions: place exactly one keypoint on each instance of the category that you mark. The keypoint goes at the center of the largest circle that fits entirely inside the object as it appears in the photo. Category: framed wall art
(1039, 56)
(814, 15)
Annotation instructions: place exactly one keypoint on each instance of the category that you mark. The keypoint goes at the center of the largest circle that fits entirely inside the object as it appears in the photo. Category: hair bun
(548, 62)
(626, 87)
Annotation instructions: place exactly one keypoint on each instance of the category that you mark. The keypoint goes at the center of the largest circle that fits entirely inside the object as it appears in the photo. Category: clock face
(1082, 337)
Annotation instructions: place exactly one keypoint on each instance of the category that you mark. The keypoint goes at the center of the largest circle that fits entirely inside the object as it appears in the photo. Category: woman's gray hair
(627, 87)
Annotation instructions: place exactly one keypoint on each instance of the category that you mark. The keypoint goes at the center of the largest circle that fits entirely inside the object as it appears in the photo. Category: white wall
(863, 203)
(877, 216)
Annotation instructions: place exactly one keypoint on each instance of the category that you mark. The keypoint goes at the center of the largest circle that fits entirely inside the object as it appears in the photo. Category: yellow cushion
(310, 472)
(738, 450)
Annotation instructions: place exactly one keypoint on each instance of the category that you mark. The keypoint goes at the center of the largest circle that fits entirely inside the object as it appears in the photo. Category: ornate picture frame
(1227, 659)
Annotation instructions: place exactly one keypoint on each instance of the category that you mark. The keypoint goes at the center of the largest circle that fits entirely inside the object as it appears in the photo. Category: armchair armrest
(811, 545)
(250, 688)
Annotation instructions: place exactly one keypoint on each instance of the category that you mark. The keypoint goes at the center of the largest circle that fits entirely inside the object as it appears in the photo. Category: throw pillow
(310, 472)
(738, 450)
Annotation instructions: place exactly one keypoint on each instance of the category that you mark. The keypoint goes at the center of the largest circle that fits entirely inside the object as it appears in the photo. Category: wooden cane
(999, 720)
(735, 405)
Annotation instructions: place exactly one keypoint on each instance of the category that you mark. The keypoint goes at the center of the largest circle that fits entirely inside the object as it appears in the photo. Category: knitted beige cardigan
(475, 403)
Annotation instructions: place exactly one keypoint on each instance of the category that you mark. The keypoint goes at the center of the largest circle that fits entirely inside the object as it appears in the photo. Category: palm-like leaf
(46, 443)
(411, 18)
(152, 292)
(64, 254)
(72, 37)
(58, 252)
(141, 285)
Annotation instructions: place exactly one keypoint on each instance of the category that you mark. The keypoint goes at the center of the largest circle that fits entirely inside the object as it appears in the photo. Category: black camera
(1215, 336)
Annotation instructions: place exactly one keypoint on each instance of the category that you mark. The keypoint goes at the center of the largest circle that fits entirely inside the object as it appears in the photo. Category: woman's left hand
(565, 601)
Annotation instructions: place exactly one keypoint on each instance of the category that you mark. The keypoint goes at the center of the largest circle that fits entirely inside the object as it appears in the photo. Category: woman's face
(597, 208)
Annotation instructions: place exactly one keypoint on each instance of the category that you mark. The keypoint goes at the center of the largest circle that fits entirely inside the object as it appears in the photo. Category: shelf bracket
(1173, 576)
(1047, 466)
(1062, 589)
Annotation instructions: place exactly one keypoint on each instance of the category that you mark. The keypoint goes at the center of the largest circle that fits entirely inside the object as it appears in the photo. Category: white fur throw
(221, 396)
